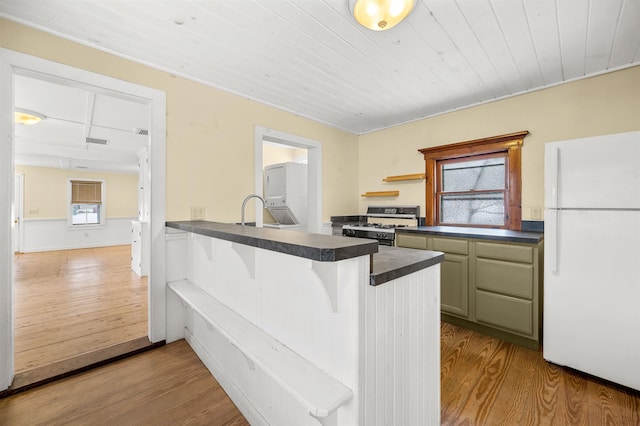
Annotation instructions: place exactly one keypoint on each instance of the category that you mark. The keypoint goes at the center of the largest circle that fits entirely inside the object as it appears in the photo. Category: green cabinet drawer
(514, 279)
(504, 311)
(509, 252)
(412, 241)
(449, 245)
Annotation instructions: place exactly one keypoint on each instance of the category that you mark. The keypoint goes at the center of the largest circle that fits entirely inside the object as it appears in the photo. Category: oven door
(383, 238)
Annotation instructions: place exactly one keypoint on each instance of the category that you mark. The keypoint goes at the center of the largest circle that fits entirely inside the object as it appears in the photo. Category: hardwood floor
(72, 303)
(484, 381)
(165, 386)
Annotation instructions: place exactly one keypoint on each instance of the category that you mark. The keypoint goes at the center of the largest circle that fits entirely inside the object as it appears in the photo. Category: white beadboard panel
(402, 351)
(311, 58)
(514, 25)
(381, 342)
(266, 396)
(176, 259)
(270, 289)
(625, 50)
(543, 24)
(482, 20)
(53, 234)
(574, 18)
(455, 24)
(606, 26)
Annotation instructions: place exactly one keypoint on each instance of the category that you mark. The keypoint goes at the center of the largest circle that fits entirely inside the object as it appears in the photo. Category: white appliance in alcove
(285, 192)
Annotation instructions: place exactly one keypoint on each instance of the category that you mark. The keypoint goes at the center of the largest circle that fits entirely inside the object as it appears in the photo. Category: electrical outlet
(535, 213)
(197, 213)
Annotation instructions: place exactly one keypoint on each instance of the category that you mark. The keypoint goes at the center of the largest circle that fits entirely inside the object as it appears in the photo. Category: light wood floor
(165, 386)
(484, 381)
(73, 302)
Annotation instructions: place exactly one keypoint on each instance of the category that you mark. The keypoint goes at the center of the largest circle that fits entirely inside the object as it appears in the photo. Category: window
(475, 183)
(86, 202)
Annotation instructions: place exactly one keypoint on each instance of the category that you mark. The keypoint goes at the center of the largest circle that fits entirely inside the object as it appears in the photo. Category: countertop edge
(319, 247)
(476, 233)
(391, 263)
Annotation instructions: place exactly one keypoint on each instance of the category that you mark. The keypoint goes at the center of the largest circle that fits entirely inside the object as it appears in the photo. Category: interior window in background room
(475, 183)
(86, 202)
(472, 191)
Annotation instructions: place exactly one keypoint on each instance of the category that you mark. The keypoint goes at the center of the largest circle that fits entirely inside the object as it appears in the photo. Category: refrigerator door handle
(551, 239)
(553, 164)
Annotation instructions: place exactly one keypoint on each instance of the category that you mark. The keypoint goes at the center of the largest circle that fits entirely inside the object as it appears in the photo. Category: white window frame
(103, 207)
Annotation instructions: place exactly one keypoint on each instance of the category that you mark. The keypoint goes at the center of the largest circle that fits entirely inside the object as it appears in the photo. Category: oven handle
(394, 216)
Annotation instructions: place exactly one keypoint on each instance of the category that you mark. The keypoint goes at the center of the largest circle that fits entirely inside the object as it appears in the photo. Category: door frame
(314, 170)
(17, 213)
(12, 63)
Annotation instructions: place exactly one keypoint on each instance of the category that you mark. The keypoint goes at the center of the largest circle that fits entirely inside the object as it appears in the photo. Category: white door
(16, 219)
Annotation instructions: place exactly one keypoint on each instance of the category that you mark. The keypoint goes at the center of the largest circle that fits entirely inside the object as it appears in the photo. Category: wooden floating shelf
(381, 194)
(416, 176)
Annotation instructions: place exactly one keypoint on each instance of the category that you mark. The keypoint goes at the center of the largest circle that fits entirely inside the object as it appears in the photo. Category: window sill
(85, 227)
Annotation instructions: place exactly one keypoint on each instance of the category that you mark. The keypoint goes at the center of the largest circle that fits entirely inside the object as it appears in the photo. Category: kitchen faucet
(244, 203)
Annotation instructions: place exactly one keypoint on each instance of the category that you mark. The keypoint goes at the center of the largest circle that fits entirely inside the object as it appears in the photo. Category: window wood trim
(510, 143)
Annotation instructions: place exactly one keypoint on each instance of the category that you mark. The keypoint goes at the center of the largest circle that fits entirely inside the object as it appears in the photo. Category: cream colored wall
(599, 105)
(275, 154)
(209, 132)
(45, 192)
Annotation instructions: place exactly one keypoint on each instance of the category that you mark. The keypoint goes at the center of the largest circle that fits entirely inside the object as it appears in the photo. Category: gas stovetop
(384, 232)
(374, 227)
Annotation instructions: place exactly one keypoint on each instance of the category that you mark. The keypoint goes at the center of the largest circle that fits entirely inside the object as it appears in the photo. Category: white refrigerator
(591, 318)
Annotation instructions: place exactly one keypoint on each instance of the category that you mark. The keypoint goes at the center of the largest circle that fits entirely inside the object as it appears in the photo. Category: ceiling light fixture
(27, 117)
(379, 15)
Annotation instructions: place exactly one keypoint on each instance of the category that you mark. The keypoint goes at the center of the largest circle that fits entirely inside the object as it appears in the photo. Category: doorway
(299, 147)
(16, 64)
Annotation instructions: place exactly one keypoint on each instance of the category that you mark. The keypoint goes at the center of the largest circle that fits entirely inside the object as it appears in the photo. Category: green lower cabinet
(454, 284)
(489, 286)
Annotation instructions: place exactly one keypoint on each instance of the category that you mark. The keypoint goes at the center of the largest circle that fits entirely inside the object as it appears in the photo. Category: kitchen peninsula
(308, 329)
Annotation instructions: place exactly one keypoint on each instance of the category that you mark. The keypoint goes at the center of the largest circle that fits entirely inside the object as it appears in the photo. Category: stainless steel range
(382, 222)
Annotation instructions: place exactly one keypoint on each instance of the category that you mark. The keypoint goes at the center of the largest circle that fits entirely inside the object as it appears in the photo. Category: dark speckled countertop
(480, 233)
(324, 248)
(389, 263)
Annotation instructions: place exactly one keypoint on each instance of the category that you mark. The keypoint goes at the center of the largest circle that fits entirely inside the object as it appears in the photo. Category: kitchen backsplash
(533, 226)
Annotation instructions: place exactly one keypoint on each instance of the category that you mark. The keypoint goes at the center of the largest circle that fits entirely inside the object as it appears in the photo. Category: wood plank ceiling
(310, 57)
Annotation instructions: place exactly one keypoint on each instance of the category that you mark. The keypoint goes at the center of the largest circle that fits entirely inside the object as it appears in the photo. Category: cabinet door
(454, 284)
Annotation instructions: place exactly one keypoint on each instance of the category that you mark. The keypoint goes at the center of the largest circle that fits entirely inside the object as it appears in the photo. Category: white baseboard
(54, 234)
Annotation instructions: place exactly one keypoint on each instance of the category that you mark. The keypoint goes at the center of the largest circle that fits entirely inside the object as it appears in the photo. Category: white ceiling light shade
(379, 15)
(27, 117)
